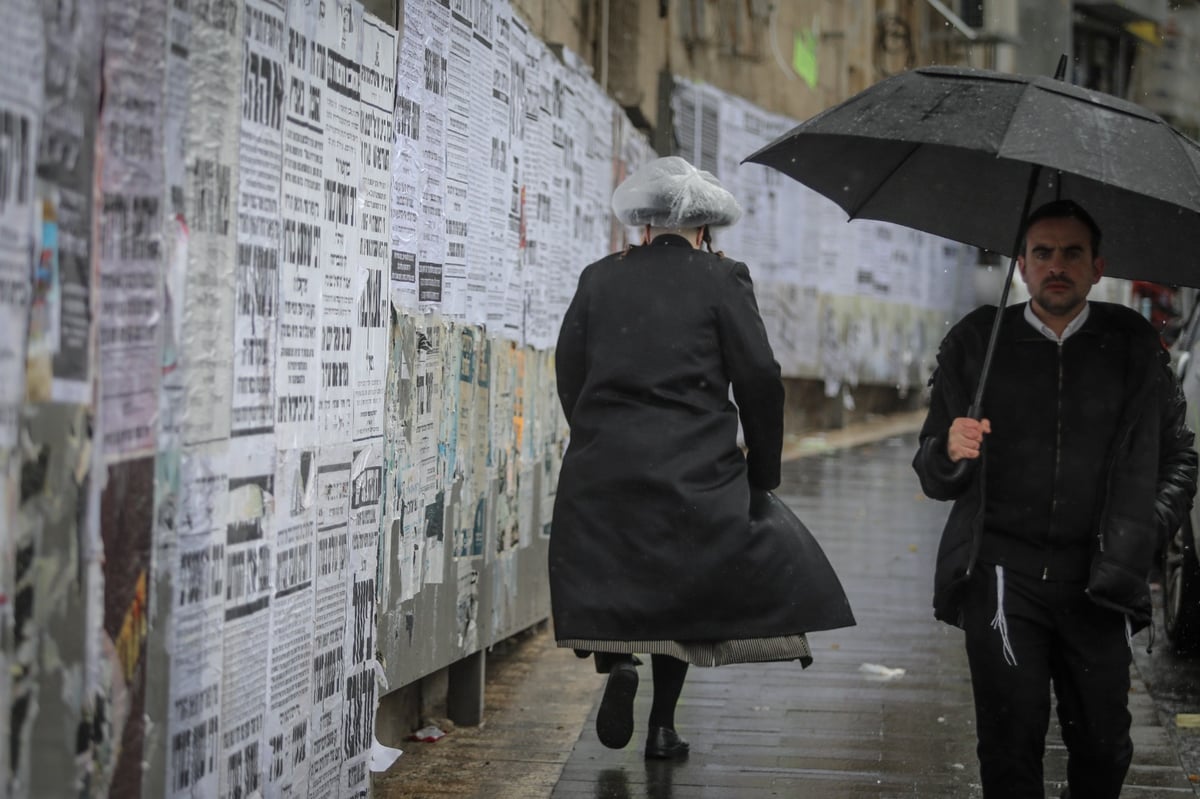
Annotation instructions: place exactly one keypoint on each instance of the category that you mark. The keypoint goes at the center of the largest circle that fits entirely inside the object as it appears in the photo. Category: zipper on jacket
(1057, 451)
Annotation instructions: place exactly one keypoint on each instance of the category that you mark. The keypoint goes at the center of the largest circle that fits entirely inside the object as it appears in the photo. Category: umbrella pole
(976, 409)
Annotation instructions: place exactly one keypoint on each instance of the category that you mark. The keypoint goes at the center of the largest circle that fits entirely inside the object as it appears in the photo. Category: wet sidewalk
(884, 711)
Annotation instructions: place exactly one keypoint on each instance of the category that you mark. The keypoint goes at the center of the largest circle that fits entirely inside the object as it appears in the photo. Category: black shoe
(614, 720)
(664, 744)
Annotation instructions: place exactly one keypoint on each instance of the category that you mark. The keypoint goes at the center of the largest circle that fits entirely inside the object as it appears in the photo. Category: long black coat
(649, 536)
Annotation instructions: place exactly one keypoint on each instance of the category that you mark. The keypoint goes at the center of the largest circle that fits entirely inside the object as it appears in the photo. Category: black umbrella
(966, 153)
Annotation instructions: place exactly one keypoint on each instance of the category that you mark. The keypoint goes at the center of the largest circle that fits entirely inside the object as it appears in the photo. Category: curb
(866, 432)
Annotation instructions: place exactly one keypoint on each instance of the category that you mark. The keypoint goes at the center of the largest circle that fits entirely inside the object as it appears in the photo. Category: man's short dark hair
(1064, 209)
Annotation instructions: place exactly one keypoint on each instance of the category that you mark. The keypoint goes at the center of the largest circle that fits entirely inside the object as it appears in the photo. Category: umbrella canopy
(953, 152)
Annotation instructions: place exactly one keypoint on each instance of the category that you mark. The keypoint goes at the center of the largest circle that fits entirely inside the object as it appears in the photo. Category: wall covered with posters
(278, 430)
(279, 287)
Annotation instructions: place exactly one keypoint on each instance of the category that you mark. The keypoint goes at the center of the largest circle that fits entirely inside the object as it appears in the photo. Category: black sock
(606, 660)
(669, 674)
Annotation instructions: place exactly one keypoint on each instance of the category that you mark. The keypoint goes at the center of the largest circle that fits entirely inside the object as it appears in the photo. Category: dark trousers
(1058, 638)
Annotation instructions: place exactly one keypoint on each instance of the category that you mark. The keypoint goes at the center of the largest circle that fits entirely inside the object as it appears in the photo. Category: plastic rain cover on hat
(671, 193)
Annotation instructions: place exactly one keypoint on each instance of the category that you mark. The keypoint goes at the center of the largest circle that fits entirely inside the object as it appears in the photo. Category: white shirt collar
(1070, 330)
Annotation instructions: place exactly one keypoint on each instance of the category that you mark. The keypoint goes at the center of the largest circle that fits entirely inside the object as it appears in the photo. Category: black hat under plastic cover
(671, 193)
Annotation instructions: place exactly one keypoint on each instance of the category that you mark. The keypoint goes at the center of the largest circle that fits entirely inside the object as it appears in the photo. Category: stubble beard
(1060, 304)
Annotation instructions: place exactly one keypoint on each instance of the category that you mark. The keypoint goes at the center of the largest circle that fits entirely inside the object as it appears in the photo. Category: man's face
(1058, 266)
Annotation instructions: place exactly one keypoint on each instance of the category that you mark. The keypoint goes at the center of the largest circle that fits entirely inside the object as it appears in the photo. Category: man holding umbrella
(1065, 478)
(1069, 466)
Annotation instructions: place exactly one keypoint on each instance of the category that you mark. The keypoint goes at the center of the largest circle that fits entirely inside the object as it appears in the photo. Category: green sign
(804, 57)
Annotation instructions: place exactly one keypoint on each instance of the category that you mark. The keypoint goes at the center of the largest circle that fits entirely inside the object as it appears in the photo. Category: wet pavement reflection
(1174, 683)
(885, 710)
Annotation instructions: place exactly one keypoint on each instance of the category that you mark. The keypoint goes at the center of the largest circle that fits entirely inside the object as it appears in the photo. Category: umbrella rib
(859, 206)
(1181, 142)
(1008, 125)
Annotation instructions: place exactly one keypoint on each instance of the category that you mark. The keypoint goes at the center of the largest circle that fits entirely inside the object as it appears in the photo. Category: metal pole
(604, 45)
(954, 19)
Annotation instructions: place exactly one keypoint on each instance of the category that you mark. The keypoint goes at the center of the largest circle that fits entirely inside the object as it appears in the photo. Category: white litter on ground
(874, 671)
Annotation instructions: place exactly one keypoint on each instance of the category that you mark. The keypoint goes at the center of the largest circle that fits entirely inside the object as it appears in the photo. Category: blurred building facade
(798, 58)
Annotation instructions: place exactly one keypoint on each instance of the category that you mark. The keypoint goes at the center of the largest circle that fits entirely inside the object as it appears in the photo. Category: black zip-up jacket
(1137, 492)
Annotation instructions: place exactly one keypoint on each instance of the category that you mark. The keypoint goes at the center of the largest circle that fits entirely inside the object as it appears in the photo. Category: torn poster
(462, 126)
(327, 631)
(361, 699)
(60, 365)
(254, 579)
(132, 187)
(340, 32)
(259, 221)
(20, 114)
(408, 178)
(215, 77)
(370, 338)
(297, 375)
(197, 631)
(431, 253)
(432, 343)
(289, 680)
(499, 242)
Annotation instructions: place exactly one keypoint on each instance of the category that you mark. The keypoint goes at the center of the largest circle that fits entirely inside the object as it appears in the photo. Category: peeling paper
(382, 757)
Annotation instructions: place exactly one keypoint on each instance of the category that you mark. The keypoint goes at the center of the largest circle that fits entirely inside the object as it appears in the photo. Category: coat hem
(707, 653)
